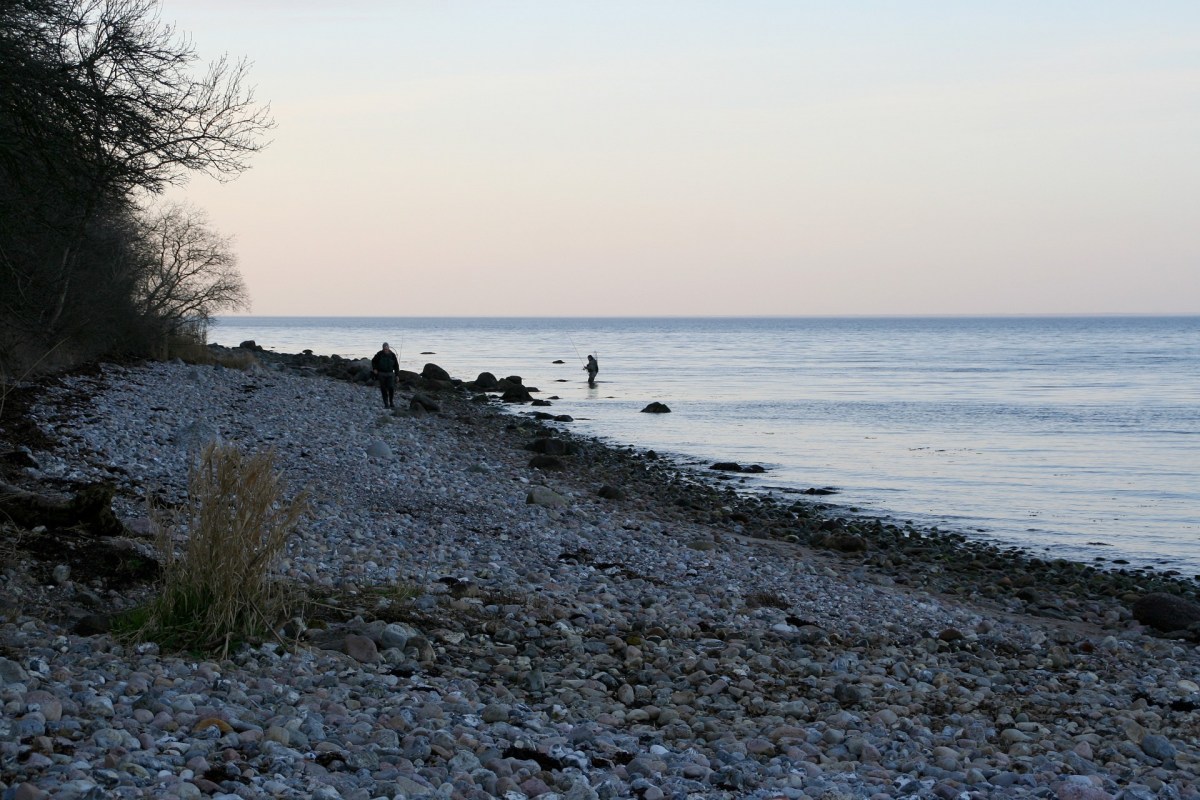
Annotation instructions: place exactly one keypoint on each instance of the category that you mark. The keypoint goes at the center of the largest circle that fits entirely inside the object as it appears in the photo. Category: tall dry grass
(193, 351)
(221, 588)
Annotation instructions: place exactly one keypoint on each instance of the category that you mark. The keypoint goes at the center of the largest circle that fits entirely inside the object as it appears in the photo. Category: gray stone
(12, 672)
(496, 712)
(545, 496)
(396, 635)
(361, 648)
(424, 402)
(379, 449)
(1158, 747)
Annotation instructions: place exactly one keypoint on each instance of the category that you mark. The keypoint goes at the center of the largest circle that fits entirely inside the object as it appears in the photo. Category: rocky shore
(497, 608)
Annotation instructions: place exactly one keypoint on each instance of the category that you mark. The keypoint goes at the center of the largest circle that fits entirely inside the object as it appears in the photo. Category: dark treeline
(103, 106)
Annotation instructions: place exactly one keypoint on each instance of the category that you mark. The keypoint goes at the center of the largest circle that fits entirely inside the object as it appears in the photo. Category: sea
(1069, 437)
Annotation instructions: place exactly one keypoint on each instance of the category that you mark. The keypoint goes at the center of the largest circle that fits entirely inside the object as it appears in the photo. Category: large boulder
(546, 462)
(1166, 612)
(656, 408)
(517, 394)
(609, 492)
(551, 446)
(486, 381)
(425, 402)
(432, 372)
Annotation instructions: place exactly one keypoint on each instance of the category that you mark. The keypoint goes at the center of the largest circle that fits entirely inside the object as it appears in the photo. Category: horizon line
(994, 315)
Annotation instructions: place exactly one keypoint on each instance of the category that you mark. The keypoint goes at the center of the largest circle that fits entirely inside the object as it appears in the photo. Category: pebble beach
(502, 630)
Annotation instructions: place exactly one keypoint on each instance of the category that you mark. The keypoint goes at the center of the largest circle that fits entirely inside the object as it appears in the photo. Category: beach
(666, 637)
(1068, 437)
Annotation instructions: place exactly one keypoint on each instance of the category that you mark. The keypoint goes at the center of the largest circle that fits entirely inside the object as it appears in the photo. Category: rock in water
(516, 394)
(656, 408)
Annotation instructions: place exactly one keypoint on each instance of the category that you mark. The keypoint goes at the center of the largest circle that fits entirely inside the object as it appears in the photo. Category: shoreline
(1014, 451)
(879, 528)
(797, 652)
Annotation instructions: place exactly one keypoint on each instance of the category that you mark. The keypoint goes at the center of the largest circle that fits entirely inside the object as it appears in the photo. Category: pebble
(561, 644)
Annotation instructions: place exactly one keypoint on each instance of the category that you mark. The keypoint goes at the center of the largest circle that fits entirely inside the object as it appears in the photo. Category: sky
(748, 157)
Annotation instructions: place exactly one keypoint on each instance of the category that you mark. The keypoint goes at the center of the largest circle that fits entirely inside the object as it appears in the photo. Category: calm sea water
(1073, 437)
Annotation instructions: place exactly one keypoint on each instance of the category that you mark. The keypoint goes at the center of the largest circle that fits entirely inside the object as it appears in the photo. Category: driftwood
(90, 507)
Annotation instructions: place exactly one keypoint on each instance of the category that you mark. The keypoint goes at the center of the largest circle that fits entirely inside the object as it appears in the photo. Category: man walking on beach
(386, 367)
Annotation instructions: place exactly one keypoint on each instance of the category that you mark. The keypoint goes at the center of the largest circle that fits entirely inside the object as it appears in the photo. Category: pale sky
(745, 157)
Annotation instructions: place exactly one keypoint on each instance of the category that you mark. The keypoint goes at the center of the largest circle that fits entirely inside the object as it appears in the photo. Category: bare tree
(101, 103)
(107, 87)
(188, 272)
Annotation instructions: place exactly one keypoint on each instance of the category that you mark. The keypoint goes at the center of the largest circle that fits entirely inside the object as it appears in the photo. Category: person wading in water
(386, 367)
(592, 367)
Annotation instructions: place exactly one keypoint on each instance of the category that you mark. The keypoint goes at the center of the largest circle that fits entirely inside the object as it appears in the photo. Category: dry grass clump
(10, 537)
(193, 351)
(220, 589)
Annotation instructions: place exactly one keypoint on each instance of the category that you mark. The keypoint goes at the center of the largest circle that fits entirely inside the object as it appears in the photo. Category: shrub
(194, 351)
(220, 589)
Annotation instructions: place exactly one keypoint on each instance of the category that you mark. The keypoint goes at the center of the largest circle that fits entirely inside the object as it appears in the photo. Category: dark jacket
(385, 362)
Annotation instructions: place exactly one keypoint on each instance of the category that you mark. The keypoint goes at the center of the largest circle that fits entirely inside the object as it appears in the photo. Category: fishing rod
(573, 347)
